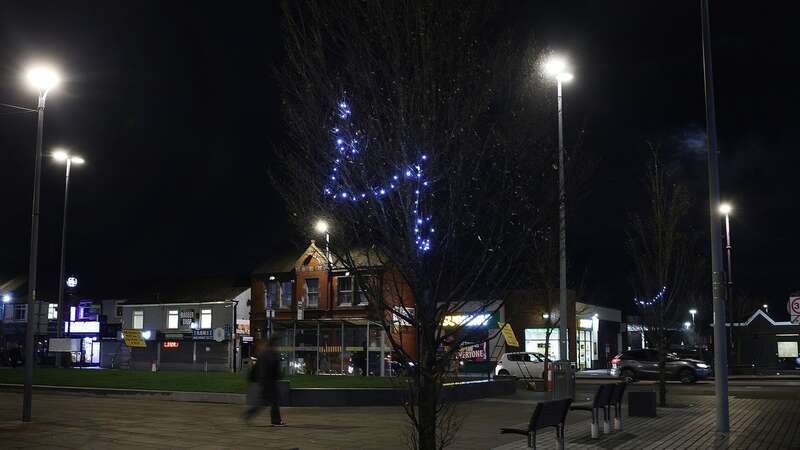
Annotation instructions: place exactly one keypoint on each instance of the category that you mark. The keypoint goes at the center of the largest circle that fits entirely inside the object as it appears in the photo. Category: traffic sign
(794, 309)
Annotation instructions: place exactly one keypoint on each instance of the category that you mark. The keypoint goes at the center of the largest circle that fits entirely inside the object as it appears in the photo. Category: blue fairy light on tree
(347, 142)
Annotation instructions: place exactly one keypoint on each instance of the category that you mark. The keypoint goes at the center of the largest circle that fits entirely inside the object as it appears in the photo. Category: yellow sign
(133, 338)
(508, 333)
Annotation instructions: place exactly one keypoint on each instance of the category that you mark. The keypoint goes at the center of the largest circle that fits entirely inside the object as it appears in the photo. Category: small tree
(407, 131)
(659, 247)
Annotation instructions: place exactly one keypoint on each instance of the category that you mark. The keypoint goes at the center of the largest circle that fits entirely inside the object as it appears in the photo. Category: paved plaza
(86, 422)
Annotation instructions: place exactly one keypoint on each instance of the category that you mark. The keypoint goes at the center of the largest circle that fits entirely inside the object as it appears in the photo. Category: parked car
(639, 364)
(521, 365)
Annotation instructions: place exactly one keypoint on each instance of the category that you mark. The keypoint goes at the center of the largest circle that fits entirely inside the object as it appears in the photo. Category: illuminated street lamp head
(321, 226)
(62, 155)
(545, 316)
(687, 325)
(6, 298)
(692, 311)
(556, 67)
(725, 208)
(42, 78)
(766, 306)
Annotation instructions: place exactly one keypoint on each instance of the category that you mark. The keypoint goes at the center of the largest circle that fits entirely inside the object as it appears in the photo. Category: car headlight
(702, 366)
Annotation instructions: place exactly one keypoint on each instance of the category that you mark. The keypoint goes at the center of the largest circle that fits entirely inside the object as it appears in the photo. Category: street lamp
(692, 312)
(687, 325)
(725, 209)
(556, 67)
(42, 78)
(766, 308)
(63, 156)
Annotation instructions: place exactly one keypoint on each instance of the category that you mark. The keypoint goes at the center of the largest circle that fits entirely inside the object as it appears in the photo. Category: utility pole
(717, 273)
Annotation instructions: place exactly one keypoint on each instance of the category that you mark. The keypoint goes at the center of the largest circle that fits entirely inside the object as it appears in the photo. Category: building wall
(155, 316)
(524, 309)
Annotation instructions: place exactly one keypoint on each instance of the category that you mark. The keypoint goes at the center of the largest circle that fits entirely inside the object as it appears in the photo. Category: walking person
(264, 379)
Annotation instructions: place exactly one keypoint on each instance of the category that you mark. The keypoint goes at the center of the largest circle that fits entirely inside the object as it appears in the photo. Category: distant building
(188, 324)
(764, 345)
(321, 315)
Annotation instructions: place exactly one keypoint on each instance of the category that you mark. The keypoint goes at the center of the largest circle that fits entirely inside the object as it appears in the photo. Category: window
(172, 318)
(312, 292)
(119, 311)
(52, 311)
(286, 294)
(138, 319)
(365, 282)
(787, 350)
(272, 295)
(344, 291)
(205, 319)
(20, 312)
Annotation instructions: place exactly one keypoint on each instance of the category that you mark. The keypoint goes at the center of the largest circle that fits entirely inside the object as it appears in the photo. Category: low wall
(454, 392)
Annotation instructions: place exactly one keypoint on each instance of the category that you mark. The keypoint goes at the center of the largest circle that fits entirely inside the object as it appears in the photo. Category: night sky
(175, 110)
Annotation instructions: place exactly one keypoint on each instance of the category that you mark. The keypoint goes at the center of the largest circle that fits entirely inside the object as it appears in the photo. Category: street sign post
(793, 306)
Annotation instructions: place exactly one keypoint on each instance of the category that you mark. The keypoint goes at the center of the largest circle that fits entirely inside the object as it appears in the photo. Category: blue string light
(658, 297)
(347, 149)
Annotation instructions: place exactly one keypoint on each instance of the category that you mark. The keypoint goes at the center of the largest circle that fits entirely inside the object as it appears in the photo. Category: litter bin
(642, 404)
(562, 380)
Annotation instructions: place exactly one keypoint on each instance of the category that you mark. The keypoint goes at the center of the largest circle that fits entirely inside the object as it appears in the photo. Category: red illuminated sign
(171, 344)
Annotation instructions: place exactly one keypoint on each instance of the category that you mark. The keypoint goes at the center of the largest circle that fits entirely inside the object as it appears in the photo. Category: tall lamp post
(63, 156)
(557, 68)
(322, 228)
(41, 78)
(725, 209)
(717, 291)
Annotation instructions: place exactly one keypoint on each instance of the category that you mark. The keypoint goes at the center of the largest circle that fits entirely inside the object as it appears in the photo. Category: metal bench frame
(547, 414)
(601, 401)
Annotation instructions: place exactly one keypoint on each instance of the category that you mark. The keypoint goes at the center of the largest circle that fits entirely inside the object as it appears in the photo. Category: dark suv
(639, 364)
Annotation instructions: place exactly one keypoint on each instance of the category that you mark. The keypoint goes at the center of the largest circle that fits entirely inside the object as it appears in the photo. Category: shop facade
(205, 334)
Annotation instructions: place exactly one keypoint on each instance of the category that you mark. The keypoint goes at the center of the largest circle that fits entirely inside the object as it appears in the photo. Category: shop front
(333, 347)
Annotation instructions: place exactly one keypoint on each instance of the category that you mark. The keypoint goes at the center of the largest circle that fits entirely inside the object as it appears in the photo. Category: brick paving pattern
(86, 422)
(755, 424)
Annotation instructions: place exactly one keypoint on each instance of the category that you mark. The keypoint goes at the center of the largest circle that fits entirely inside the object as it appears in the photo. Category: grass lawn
(178, 381)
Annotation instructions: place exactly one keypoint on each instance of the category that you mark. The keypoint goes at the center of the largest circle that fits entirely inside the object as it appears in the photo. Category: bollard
(595, 430)
(618, 423)
(606, 426)
(153, 367)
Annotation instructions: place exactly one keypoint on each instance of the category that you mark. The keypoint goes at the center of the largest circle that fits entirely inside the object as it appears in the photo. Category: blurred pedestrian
(263, 389)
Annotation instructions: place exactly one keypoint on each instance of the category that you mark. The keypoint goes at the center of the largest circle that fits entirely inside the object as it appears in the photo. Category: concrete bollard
(618, 423)
(606, 427)
(595, 431)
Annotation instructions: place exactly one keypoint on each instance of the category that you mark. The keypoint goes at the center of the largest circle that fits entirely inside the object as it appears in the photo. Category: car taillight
(616, 361)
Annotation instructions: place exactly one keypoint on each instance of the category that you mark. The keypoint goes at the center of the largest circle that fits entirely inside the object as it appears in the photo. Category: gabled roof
(758, 312)
(199, 289)
(279, 261)
(289, 259)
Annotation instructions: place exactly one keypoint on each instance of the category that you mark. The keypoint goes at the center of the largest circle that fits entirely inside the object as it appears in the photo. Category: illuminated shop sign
(476, 320)
(171, 344)
(82, 327)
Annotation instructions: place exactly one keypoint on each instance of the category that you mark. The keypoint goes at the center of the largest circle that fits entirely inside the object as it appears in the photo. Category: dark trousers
(270, 397)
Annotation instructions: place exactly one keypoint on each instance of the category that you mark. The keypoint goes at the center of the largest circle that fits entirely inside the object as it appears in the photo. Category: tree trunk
(427, 401)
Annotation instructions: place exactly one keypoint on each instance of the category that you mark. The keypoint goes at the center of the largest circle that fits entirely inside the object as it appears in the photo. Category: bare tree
(659, 246)
(408, 129)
